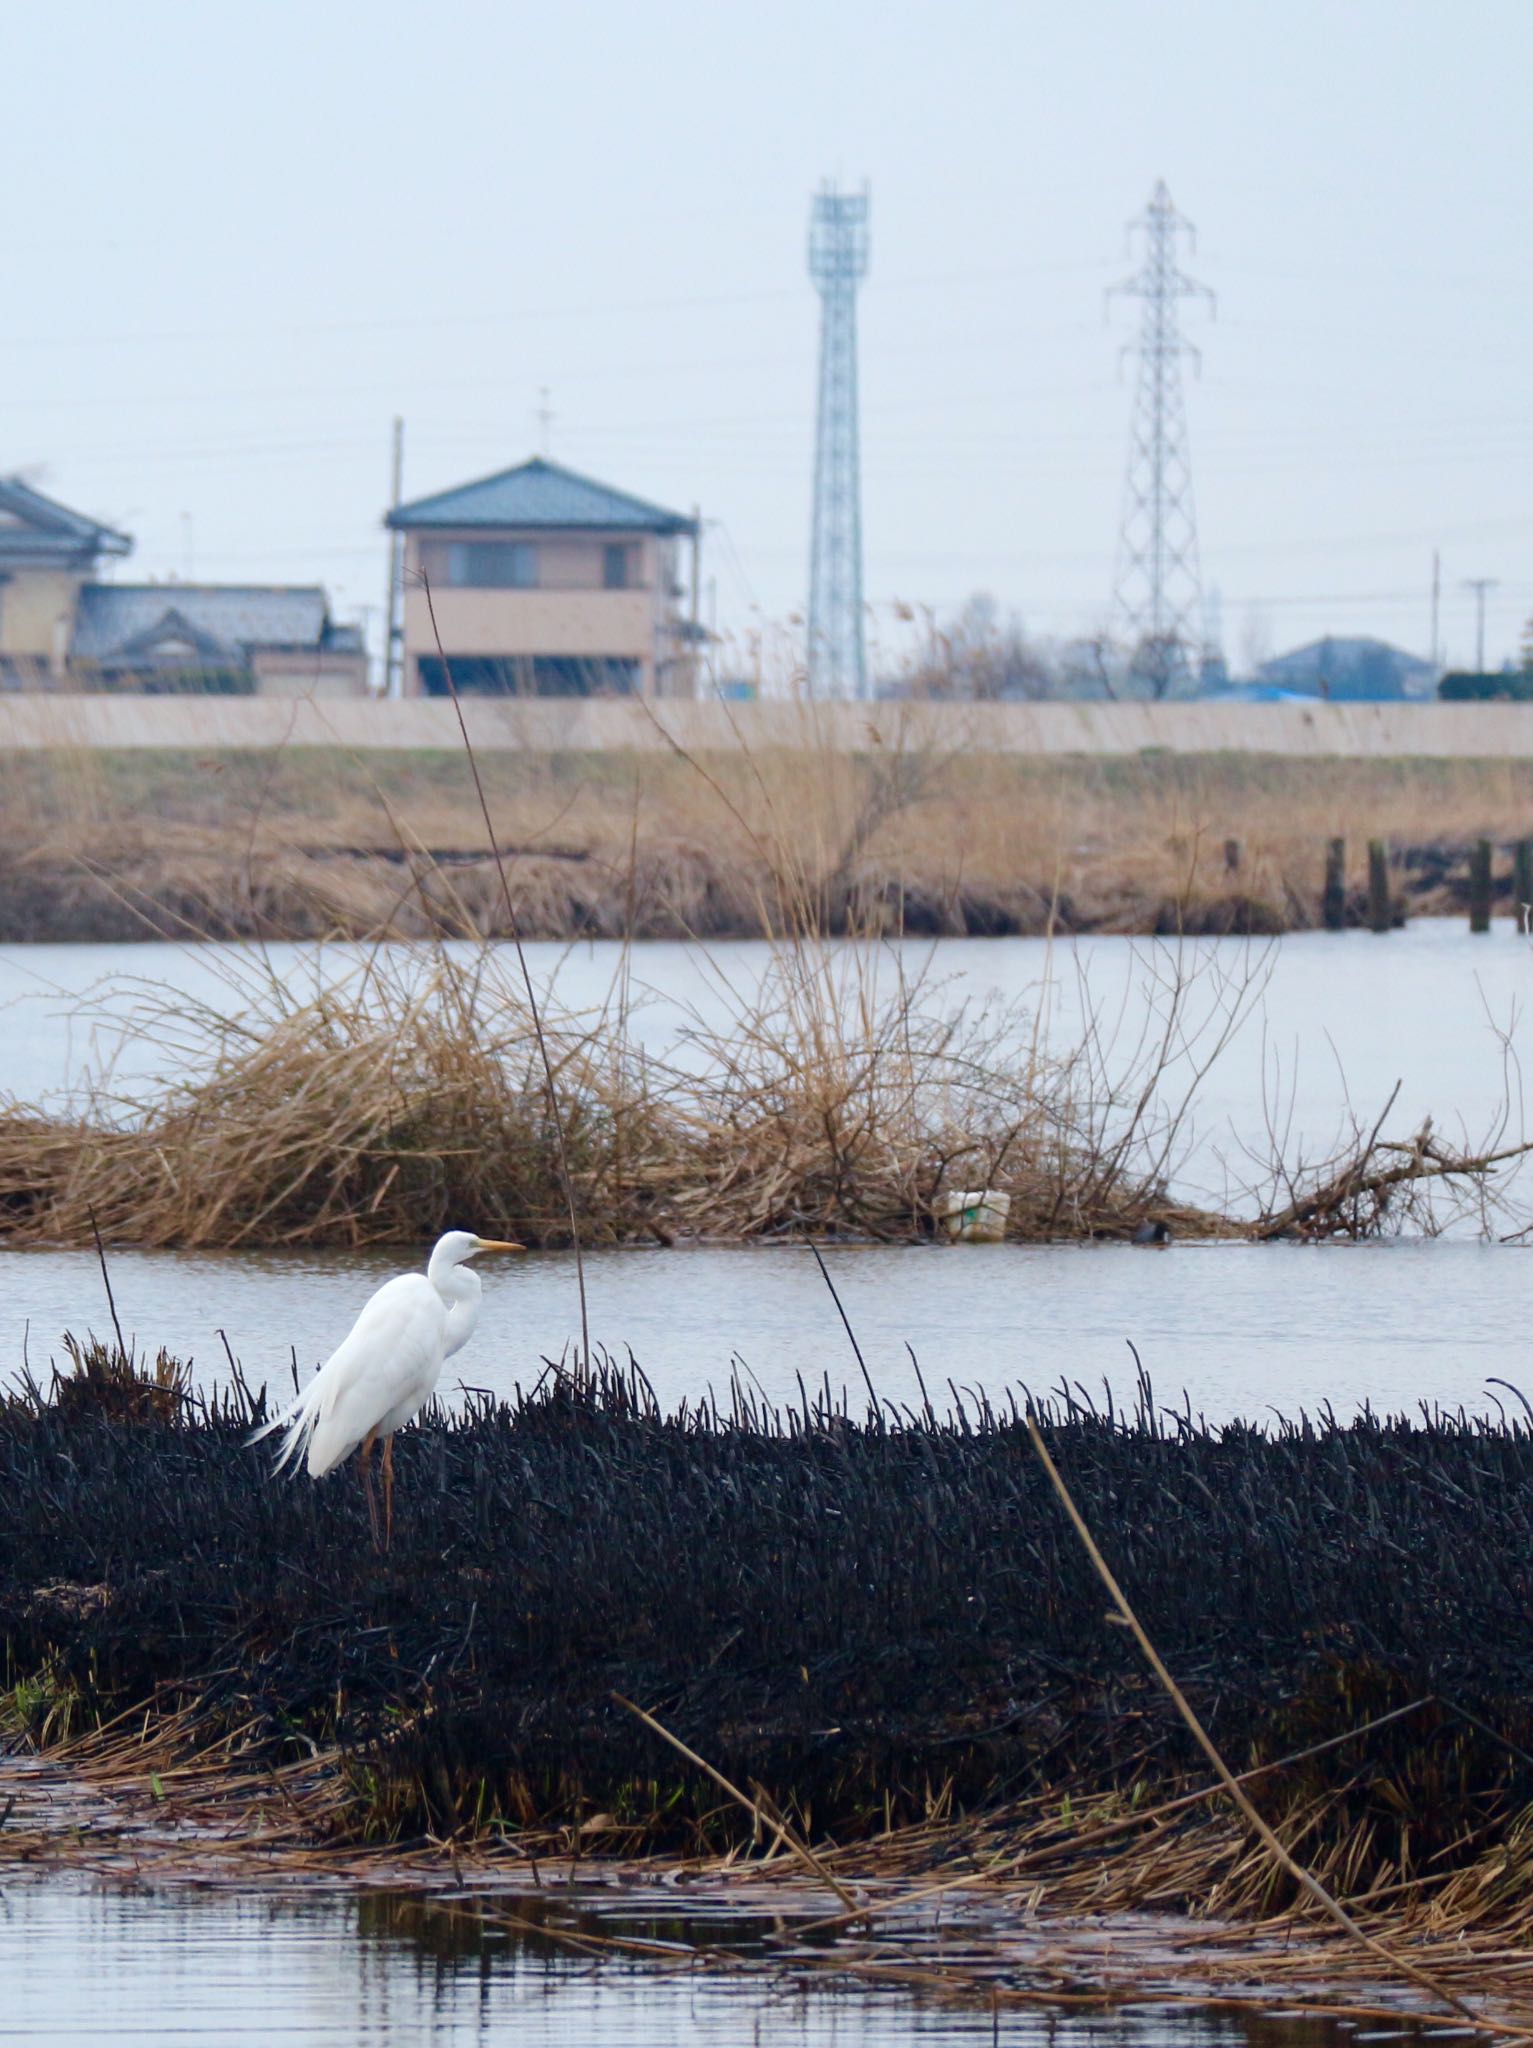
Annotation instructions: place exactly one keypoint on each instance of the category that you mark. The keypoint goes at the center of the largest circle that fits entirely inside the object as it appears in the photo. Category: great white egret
(387, 1368)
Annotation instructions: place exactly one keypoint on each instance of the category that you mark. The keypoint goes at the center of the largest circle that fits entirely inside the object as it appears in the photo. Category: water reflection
(383, 1969)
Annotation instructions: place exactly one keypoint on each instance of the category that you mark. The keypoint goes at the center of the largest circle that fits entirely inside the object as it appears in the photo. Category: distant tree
(979, 657)
(1463, 686)
(1088, 666)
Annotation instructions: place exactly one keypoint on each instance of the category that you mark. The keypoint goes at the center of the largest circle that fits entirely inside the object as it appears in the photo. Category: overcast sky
(239, 240)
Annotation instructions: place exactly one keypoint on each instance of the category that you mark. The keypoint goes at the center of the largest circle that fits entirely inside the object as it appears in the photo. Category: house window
(493, 565)
(615, 562)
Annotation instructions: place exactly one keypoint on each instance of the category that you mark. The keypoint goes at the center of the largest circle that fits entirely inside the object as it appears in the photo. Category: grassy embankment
(121, 845)
(884, 1629)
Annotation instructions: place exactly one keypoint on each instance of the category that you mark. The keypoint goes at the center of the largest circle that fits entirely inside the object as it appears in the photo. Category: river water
(82, 1963)
(1248, 1330)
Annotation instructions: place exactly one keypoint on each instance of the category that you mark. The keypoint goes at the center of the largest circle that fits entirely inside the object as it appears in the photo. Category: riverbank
(883, 1631)
(311, 842)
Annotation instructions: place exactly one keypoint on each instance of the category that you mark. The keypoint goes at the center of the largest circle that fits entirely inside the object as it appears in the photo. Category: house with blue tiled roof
(540, 582)
(63, 628)
(261, 639)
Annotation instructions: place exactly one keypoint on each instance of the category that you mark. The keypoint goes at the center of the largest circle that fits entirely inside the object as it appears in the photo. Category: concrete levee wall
(29, 721)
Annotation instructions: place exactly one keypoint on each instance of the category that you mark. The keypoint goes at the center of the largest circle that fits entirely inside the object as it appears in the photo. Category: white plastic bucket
(978, 1217)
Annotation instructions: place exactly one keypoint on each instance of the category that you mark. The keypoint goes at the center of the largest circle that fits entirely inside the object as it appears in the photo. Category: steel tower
(1156, 590)
(838, 262)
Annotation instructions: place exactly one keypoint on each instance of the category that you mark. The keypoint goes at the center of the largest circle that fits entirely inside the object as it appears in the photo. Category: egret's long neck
(457, 1284)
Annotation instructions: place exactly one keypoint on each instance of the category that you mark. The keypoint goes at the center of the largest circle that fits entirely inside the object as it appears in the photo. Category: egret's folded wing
(394, 1346)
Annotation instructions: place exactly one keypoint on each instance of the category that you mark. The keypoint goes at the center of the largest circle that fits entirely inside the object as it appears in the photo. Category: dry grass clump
(377, 1112)
(841, 1097)
(385, 1107)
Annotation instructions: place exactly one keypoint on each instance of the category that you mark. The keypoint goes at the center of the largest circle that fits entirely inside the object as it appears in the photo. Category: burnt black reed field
(874, 1619)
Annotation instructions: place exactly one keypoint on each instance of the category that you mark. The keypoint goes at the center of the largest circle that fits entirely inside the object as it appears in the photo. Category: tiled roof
(534, 494)
(119, 620)
(1340, 651)
(31, 524)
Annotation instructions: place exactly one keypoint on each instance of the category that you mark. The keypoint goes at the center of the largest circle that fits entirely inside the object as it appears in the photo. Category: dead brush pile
(838, 1097)
(375, 1113)
(411, 1096)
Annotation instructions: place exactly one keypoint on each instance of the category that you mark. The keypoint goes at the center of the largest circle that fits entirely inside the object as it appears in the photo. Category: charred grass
(883, 1627)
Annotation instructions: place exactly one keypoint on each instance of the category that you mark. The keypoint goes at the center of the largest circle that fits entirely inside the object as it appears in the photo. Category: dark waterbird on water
(386, 1369)
(1152, 1231)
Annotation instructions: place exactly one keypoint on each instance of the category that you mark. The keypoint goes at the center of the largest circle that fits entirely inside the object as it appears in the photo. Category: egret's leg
(388, 1491)
(367, 1486)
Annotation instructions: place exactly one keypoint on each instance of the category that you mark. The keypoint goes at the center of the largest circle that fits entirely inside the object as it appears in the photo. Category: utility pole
(1479, 585)
(1437, 592)
(838, 262)
(545, 420)
(1157, 585)
(697, 597)
(393, 624)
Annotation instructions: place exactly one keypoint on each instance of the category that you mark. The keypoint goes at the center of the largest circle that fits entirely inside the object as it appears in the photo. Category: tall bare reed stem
(532, 1000)
(1305, 1879)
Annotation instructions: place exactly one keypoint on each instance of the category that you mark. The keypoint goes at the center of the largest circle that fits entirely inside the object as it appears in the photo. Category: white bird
(387, 1368)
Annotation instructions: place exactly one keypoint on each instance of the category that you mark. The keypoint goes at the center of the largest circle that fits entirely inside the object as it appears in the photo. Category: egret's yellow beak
(497, 1244)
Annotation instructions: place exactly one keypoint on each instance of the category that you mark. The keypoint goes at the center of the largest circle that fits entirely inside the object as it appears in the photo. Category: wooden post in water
(1333, 904)
(1381, 912)
(1522, 855)
(1479, 886)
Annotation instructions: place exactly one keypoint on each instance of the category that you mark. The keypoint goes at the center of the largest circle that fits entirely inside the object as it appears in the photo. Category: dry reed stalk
(556, 1114)
(1307, 1882)
(759, 1808)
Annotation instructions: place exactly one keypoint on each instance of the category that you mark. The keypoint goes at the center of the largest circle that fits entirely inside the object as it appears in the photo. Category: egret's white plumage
(387, 1367)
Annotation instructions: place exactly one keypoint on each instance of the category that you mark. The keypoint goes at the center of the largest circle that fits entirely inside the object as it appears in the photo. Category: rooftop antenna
(1157, 586)
(838, 262)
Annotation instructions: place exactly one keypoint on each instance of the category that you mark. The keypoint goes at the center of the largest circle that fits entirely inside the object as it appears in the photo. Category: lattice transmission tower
(838, 262)
(1157, 587)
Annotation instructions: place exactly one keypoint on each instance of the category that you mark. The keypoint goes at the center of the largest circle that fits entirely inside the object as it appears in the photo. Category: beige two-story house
(538, 582)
